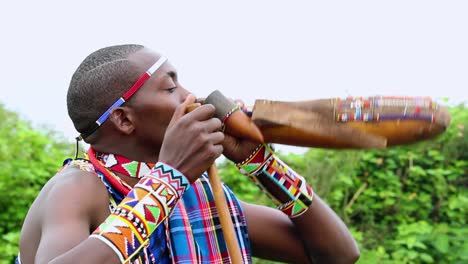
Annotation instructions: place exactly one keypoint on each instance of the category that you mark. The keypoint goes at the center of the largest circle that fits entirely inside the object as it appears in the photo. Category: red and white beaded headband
(125, 97)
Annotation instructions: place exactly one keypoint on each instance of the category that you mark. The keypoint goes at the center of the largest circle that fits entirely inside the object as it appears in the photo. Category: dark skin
(154, 126)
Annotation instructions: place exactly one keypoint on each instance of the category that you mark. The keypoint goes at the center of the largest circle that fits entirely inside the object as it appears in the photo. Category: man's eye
(173, 76)
(172, 89)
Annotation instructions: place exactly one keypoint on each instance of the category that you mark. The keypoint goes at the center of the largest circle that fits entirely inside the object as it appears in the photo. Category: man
(143, 196)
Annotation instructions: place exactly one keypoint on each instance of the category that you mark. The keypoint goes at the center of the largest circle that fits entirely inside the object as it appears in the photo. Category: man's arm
(318, 235)
(311, 233)
(69, 210)
(311, 228)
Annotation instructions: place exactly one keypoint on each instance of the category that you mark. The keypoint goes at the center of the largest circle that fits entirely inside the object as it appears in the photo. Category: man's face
(155, 102)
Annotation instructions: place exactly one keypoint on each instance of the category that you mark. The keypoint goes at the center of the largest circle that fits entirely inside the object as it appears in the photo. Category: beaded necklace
(107, 164)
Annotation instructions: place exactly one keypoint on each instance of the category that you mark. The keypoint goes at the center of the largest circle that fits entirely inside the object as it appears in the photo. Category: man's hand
(238, 149)
(193, 140)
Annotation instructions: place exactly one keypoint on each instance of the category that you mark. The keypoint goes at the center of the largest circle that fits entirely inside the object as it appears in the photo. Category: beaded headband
(125, 97)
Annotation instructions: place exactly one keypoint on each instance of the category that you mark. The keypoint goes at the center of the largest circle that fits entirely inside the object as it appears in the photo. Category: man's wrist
(287, 189)
(254, 162)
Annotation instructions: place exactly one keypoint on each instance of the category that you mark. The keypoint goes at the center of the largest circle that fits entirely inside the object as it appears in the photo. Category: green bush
(28, 158)
(405, 204)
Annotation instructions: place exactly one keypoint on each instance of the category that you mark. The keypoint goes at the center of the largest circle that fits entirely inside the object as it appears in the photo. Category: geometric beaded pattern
(126, 166)
(380, 108)
(129, 227)
(83, 165)
(262, 163)
(293, 184)
(255, 160)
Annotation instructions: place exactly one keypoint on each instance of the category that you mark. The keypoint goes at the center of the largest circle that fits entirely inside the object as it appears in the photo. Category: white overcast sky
(288, 50)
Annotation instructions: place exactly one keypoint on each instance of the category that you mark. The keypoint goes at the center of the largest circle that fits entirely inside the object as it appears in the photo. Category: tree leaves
(28, 158)
(405, 204)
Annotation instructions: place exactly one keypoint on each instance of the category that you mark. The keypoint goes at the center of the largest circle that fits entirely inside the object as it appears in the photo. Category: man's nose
(185, 93)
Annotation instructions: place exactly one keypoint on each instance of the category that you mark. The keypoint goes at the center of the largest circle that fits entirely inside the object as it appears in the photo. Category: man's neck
(130, 151)
(132, 155)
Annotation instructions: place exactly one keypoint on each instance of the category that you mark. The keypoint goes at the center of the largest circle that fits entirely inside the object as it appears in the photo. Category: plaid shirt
(195, 229)
(192, 234)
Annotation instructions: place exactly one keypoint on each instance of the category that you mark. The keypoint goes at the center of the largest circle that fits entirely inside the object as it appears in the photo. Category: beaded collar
(125, 166)
(109, 164)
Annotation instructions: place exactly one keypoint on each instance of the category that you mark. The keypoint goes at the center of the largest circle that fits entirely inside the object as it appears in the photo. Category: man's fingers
(201, 113)
(216, 138)
(212, 125)
(189, 108)
(182, 109)
(217, 150)
(201, 100)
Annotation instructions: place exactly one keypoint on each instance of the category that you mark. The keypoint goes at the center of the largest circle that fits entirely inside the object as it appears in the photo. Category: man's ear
(122, 119)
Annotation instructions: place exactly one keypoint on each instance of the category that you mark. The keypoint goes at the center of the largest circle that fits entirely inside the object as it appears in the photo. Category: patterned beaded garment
(191, 233)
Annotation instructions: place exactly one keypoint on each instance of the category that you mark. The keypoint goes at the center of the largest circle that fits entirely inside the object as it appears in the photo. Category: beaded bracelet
(287, 189)
(127, 230)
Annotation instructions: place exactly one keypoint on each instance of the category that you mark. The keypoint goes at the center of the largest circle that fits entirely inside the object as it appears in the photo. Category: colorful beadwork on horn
(380, 108)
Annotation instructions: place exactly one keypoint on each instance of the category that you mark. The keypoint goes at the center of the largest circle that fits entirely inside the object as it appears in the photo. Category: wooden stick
(223, 211)
(224, 215)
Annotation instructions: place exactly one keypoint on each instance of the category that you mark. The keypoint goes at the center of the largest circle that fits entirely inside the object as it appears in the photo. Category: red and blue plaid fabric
(195, 227)
(193, 232)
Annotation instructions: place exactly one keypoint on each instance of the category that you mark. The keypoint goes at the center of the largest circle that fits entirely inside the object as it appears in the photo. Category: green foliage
(415, 204)
(28, 158)
(405, 204)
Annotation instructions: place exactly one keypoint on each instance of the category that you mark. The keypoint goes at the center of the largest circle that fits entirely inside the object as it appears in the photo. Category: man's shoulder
(71, 196)
(72, 183)
(78, 175)
(73, 189)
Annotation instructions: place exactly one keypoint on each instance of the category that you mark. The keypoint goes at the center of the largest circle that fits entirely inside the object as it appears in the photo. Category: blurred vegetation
(405, 204)
(28, 158)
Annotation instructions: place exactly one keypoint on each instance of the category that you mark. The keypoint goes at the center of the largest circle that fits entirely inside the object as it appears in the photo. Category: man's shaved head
(98, 82)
